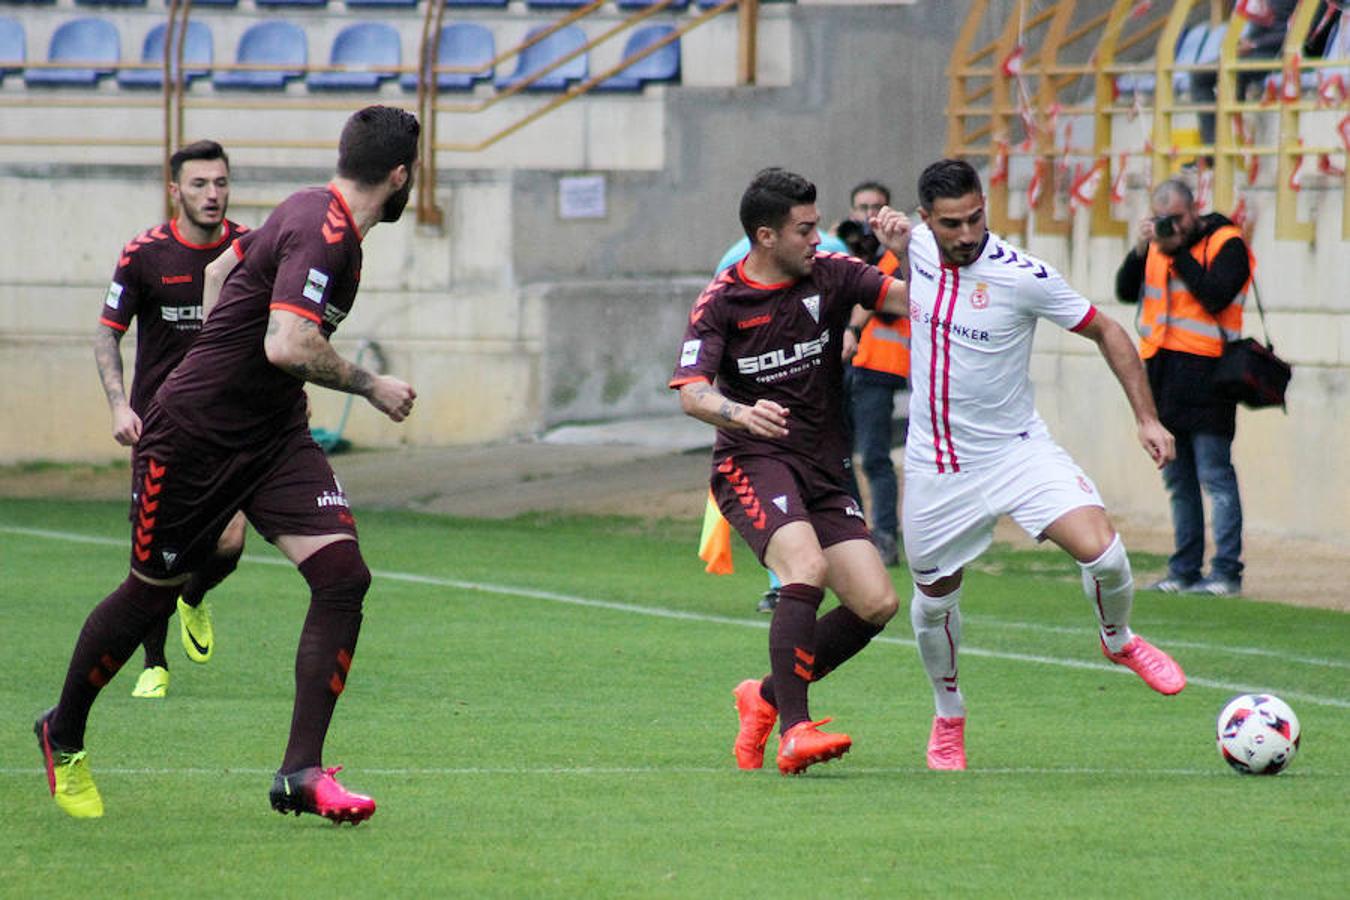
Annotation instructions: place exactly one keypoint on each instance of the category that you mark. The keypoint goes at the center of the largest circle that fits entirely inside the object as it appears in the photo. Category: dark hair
(375, 141)
(770, 197)
(949, 179)
(869, 186)
(196, 150)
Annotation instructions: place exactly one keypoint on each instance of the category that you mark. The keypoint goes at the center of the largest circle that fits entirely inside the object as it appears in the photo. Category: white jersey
(971, 398)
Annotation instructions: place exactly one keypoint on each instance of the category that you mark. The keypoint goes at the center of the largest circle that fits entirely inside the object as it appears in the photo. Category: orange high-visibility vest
(884, 346)
(1171, 318)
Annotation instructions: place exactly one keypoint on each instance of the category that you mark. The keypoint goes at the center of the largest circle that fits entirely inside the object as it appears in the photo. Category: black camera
(1165, 226)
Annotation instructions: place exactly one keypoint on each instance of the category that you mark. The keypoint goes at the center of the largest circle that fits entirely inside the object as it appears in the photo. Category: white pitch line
(625, 771)
(682, 615)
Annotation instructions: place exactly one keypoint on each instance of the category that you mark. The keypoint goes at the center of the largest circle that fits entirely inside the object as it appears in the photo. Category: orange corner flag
(714, 544)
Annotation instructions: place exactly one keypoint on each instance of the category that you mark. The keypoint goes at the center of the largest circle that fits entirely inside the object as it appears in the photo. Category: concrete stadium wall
(512, 318)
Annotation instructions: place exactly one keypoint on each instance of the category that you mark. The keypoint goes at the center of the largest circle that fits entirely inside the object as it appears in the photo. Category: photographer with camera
(1190, 274)
(880, 370)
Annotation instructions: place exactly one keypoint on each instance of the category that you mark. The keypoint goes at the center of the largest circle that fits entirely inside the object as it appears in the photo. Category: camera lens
(1165, 226)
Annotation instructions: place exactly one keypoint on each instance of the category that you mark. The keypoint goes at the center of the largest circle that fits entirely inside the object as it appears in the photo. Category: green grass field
(542, 707)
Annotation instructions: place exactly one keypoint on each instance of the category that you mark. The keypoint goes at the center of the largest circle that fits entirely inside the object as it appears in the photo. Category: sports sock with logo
(110, 635)
(338, 580)
(1109, 585)
(212, 572)
(937, 630)
(840, 634)
(792, 650)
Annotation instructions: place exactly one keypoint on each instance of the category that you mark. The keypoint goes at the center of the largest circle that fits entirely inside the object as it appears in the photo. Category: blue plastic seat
(643, 4)
(661, 65)
(385, 3)
(273, 42)
(82, 41)
(197, 53)
(499, 4)
(291, 2)
(538, 56)
(13, 48)
(460, 44)
(555, 4)
(110, 2)
(357, 47)
(196, 3)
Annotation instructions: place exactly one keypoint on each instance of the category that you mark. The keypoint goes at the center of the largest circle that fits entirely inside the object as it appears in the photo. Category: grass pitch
(542, 707)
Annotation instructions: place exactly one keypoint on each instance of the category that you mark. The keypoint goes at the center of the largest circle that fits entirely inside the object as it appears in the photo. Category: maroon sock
(107, 640)
(792, 651)
(211, 573)
(338, 579)
(154, 645)
(840, 634)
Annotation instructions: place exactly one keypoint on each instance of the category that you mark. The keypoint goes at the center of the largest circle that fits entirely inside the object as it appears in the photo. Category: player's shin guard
(1110, 586)
(792, 650)
(110, 635)
(212, 572)
(937, 630)
(338, 580)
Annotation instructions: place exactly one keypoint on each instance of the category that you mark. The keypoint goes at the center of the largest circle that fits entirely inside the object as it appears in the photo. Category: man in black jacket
(1190, 274)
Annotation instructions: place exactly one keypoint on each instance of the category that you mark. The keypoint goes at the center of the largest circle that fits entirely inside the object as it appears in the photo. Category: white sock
(1110, 586)
(937, 628)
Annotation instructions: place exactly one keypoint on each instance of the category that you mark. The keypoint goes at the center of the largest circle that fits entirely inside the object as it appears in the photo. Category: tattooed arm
(126, 425)
(705, 403)
(295, 345)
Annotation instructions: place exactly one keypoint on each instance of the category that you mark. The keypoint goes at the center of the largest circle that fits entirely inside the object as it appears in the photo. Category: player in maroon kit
(228, 431)
(761, 362)
(158, 283)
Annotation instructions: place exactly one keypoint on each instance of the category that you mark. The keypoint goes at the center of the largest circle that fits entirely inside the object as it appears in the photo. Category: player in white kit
(978, 449)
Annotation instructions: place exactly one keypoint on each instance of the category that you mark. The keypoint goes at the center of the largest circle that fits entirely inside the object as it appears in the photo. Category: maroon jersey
(158, 282)
(780, 342)
(305, 259)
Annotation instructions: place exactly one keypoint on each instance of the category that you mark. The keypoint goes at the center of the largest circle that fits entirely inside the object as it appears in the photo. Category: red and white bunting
(1253, 169)
(1204, 184)
(1239, 214)
(1327, 167)
(1289, 90)
(1343, 127)
(1034, 187)
(1258, 12)
(1296, 175)
(999, 175)
(1012, 63)
(1086, 184)
(1141, 9)
(1331, 90)
(1118, 183)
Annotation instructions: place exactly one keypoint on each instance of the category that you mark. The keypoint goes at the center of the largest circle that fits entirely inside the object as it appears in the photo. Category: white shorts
(949, 518)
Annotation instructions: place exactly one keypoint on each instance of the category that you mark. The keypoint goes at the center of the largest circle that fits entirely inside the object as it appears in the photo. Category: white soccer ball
(1258, 734)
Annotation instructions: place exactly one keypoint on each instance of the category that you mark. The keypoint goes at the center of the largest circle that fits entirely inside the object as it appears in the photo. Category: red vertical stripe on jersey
(932, 372)
(947, 371)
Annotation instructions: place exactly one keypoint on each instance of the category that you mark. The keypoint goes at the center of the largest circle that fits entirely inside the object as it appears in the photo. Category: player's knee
(337, 575)
(804, 568)
(231, 541)
(1112, 567)
(883, 608)
(926, 611)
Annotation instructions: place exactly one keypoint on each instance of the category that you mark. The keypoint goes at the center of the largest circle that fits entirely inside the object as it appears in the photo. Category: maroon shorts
(760, 494)
(187, 490)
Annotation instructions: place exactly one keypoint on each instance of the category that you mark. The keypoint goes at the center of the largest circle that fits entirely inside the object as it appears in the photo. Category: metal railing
(1007, 95)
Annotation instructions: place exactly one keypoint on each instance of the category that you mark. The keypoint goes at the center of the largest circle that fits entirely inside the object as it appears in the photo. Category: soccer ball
(1258, 734)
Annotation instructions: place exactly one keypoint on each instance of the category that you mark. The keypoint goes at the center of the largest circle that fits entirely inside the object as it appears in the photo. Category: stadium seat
(461, 44)
(12, 47)
(555, 4)
(272, 41)
(662, 65)
(197, 52)
(110, 2)
(196, 3)
(499, 4)
(538, 56)
(356, 48)
(643, 4)
(385, 3)
(1187, 51)
(83, 41)
(291, 2)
